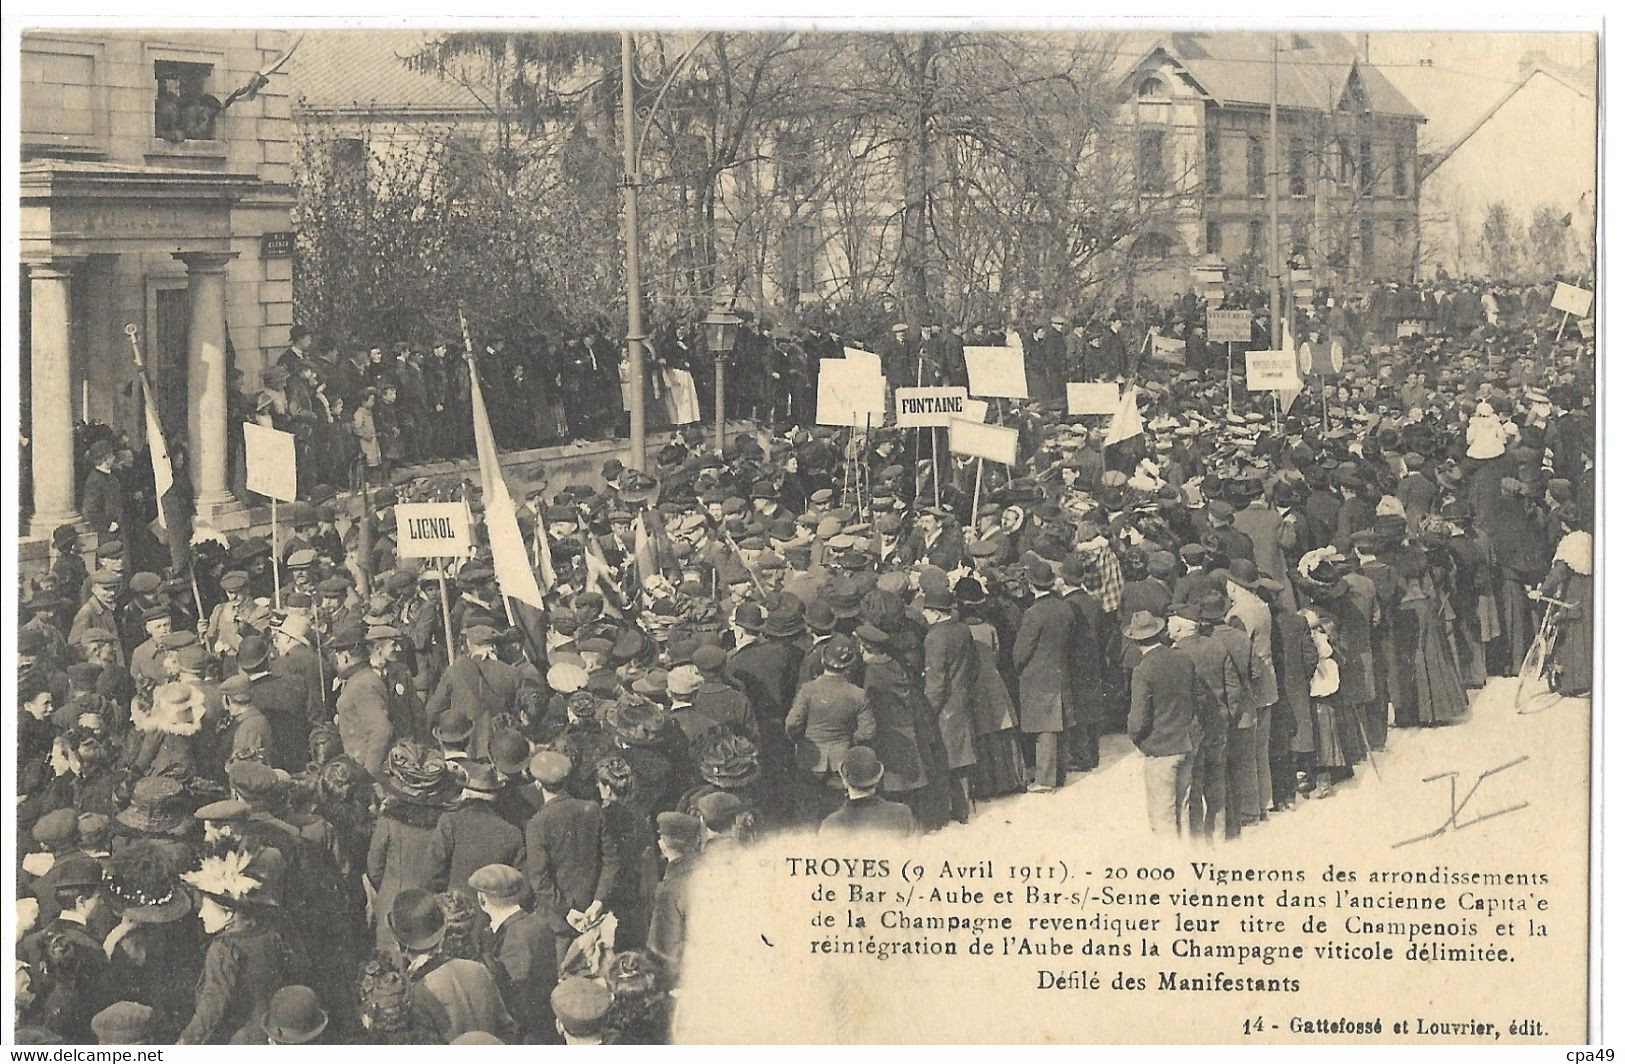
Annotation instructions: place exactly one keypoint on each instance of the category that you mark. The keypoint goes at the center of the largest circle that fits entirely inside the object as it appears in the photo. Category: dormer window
(1152, 86)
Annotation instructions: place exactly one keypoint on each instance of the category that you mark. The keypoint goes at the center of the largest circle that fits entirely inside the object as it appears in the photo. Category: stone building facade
(144, 202)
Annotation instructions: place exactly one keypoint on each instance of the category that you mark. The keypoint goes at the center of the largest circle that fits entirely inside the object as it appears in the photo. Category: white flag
(509, 558)
(1288, 395)
(1126, 422)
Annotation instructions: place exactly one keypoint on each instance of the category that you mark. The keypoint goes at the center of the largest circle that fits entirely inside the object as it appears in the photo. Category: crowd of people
(388, 805)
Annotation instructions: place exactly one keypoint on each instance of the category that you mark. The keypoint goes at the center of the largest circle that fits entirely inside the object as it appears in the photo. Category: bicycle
(1537, 682)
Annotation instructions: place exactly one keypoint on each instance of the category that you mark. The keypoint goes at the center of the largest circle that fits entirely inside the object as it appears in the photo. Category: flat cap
(499, 882)
(550, 768)
(581, 1004)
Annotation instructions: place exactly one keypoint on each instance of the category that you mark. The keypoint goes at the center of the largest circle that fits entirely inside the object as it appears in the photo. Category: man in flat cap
(570, 861)
(524, 950)
(680, 836)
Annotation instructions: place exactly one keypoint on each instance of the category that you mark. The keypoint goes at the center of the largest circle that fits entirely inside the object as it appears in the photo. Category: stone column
(206, 380)
(51, 377)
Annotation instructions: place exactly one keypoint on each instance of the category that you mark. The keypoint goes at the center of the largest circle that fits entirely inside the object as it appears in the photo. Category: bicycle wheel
(1536, 691)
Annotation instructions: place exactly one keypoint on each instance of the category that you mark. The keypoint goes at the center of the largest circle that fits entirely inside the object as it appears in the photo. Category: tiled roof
(363, 69)
(1234, 68)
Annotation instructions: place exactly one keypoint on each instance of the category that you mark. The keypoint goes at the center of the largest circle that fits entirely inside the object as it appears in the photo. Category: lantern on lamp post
(721, 333)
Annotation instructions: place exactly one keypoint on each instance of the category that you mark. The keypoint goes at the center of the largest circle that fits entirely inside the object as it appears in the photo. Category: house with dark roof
(1199, 106)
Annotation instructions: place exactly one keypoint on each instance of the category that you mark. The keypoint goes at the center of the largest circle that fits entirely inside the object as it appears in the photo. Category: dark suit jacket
(569, 859)
(829, 716)
(870, 814)
(102, 501)
(1163, 701)
(478, 688)
(470, 837)
(1086, 655)
(1043, 672)
(524, 960)
(951, 669)
(286, 704)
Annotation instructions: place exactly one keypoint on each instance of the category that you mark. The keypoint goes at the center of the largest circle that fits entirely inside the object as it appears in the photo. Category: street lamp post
(632, 149)
(634, 286)
(721, 331)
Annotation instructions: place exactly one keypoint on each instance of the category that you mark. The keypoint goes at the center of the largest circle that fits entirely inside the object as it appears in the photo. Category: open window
(184, 109)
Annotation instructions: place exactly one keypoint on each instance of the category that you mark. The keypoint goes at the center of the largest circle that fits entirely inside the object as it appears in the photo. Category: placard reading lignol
(929, 407)
(1571, 299)
(431, 530)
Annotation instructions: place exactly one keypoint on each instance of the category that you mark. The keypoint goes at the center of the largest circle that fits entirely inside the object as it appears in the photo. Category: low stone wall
(580, 462)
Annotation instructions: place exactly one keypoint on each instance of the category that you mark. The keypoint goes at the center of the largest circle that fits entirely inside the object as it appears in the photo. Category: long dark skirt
(1338, 742)
(1571, 655)
(999, 768)
(1427, 688)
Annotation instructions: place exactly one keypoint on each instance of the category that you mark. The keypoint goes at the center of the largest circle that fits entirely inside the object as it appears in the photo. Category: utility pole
(634, 286)
(1275, 195)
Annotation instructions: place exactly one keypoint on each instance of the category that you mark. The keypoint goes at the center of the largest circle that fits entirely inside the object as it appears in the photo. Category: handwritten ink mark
(1452, 821)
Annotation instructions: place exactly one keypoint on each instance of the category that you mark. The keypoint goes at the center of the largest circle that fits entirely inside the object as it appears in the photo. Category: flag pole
(976, 500)
(445, 609)
(1230, 376)
(276, 558)
(936, 468)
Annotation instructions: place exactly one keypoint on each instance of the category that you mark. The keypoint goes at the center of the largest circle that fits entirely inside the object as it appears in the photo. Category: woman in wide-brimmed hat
(163, 739)
(641, 729)
(153, 955)
(247, 960)
(418, 786)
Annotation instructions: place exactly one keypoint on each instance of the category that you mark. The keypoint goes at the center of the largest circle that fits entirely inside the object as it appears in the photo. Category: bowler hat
(861, 768)
(295, 1017)
(1242, 571)
(481, 777)
(510, 752)
(454, 727)
(839, 654)
(252, 652)
(417, 920)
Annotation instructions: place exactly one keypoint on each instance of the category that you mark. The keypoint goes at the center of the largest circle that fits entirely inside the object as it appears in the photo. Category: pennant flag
(1288, 395)
(1126, 422)
(1167, 349)
(174, 516)
(508, 556)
